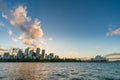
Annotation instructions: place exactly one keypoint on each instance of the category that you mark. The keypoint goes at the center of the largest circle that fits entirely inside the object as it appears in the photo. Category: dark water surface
(60, 71)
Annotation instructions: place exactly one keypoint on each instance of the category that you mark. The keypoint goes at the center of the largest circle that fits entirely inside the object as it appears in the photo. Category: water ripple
(59, 71)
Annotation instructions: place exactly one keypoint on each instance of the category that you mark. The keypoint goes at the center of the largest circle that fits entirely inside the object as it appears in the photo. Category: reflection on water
(60, 71)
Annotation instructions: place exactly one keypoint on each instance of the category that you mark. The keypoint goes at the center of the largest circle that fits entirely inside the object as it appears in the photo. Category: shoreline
(53, 61)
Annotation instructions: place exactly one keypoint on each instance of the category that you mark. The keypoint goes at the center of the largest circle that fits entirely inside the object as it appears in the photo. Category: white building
(99, 58)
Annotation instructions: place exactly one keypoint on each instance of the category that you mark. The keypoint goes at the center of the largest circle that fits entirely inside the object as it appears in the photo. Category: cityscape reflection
(60, 71)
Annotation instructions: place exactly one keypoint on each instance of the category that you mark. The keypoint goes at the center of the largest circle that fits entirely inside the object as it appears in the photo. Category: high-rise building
(38, 51)
(26, 52)
(51, 56)
(34, 55)
(31, 54)
(46, 56)
(0, 55)
(20, 54)
(43, 54)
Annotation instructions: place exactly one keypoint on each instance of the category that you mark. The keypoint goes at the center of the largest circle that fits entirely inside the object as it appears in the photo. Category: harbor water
(60, 71)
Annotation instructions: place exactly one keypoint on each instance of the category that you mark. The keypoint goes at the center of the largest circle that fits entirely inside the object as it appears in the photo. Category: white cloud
(50, 39)
(31, 30)
(4, 16)
(10, 32)
(21, 37)
(28, 41)
(43, 40)
(19, 19)
(14, 39)
(35, 30)
(113, 32)
(19, 16)
(2, 24)
(3, 49)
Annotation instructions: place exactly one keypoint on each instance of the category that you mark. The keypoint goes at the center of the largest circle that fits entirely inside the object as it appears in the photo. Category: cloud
(28, 41)
(113, 32)
(14, 39)
(4, 16)
(18, 18)
(50, 39)
(35, 30)
(2, 24)
(4, 9)
(22, 36)
(3, 49)
(43, 41)
(10, 32)
(31, 30)
(34, 46)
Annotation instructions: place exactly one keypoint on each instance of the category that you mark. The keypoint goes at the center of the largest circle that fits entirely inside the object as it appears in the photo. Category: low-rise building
(6, 55)
(56, 57)
(99, 58)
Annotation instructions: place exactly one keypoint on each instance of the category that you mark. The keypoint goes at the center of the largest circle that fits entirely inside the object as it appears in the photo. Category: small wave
(110, 79)
(61, 75)
(77, 79)
(74, 73)
(2, 77)
(19, 79)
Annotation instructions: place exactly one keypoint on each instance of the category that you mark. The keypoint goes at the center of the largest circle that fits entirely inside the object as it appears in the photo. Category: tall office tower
(26, 52)
(38, 53)
(31, 54)
(20, 54)
(43, 54)
(46, 56)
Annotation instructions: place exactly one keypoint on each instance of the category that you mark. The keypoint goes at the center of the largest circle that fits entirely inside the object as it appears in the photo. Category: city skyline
(79, 28)
(29, 55)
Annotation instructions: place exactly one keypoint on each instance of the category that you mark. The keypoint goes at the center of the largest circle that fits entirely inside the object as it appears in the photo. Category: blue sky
(77, 27)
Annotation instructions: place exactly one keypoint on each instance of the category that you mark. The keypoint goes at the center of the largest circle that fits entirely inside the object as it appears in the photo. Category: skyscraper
(46, 56)
(20, 54)
(38, 53)
(43, 54)
(31, 54)
(26, 52)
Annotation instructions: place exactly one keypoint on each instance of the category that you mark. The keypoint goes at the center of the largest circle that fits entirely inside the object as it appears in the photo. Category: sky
(71, 28)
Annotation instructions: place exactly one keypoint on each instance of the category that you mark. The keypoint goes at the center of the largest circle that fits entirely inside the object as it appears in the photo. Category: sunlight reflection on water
(60, 71)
